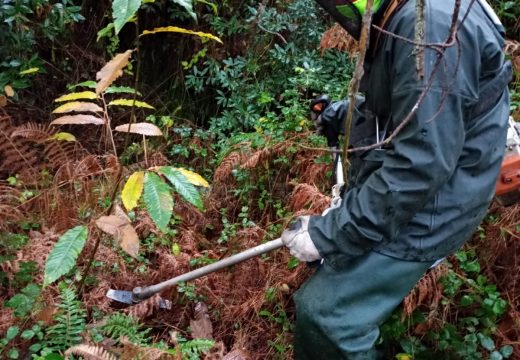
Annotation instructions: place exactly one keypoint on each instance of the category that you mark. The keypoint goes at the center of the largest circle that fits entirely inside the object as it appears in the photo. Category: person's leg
(338, 312)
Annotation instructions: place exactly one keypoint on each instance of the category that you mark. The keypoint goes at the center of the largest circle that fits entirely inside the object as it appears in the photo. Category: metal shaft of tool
(139, 294)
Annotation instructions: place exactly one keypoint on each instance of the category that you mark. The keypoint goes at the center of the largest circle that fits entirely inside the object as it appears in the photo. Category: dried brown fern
(224, 170)
(16, 157)
(305, 196)
(145, 308)
(132, 352)
(426, 294)
(337, 38)
(58, 153)
(264, 155)
(31, 131)
(89, 352)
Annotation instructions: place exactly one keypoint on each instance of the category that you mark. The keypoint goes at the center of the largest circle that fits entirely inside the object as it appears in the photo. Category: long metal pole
(140, 294)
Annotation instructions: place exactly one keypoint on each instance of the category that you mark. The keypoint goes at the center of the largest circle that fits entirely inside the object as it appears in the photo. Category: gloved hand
(299, 242)
(328, 118)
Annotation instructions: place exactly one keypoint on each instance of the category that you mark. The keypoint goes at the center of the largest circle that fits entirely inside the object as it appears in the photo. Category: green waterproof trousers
(339, 310)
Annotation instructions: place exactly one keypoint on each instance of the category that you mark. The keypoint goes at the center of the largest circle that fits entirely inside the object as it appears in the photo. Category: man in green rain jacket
(416, 200)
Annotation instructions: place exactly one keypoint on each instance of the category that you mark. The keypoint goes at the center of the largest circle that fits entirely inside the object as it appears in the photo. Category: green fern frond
(70, 323)
(192, 349)
(119, 325)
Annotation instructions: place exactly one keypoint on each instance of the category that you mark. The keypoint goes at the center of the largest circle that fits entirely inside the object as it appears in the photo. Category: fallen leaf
(110, 224)
(201, 327)
(123, 232)
(3, 101)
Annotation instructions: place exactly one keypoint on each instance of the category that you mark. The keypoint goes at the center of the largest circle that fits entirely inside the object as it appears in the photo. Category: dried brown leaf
(122, 231)
(140, 128)
(110, 224)
(78, 120)
(201, 326)
(111, 71)
(3, 101)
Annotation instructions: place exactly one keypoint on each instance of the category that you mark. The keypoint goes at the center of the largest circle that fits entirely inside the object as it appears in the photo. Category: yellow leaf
(77, 106)
(140, 128)
(8, 89)
(29, 71)
(130, 102)
(176, 29)
(132, 190)
(63, 136)
(78, 120)
(76, 96)
(193, 177)
(112, 70)
(402, 356)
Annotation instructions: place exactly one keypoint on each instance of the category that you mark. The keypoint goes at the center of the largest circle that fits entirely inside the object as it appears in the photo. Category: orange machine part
(509, 178)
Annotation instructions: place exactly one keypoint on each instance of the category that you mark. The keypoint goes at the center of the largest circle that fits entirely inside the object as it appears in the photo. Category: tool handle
(139, 294)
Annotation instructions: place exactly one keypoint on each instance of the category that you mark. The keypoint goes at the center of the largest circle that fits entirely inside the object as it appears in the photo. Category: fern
(89, 352)
(192, 349)
(119, 325)
(70, 323)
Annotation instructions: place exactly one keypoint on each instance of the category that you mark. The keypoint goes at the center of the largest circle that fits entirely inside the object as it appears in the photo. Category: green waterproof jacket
(421, 197)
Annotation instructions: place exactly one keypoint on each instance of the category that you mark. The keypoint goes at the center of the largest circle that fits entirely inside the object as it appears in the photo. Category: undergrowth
(132, 211)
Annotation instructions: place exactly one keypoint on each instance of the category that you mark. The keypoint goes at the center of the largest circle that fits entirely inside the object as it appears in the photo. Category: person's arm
(423, 157)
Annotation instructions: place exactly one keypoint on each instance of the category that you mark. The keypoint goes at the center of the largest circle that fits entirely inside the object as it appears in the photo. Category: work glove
(328, 118)
(298, 241)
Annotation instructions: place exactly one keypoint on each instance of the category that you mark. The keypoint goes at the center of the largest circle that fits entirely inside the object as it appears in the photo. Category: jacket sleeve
(422, 158)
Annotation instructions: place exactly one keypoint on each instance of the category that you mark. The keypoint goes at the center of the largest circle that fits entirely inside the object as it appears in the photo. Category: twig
(364, 41)
(420, 30)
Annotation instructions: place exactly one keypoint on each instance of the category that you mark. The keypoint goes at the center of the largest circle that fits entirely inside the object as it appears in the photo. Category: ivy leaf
(64, 254)
(182, 185)
(133, 190)
(122, 11)
(188, 6)
(158, 200)
(12, 332)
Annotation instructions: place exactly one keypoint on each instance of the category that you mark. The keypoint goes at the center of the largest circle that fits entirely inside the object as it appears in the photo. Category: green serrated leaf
(123, 11)
(188, 6)
(182, 185)
(65, 253)
(121, 90)
(158, 200)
